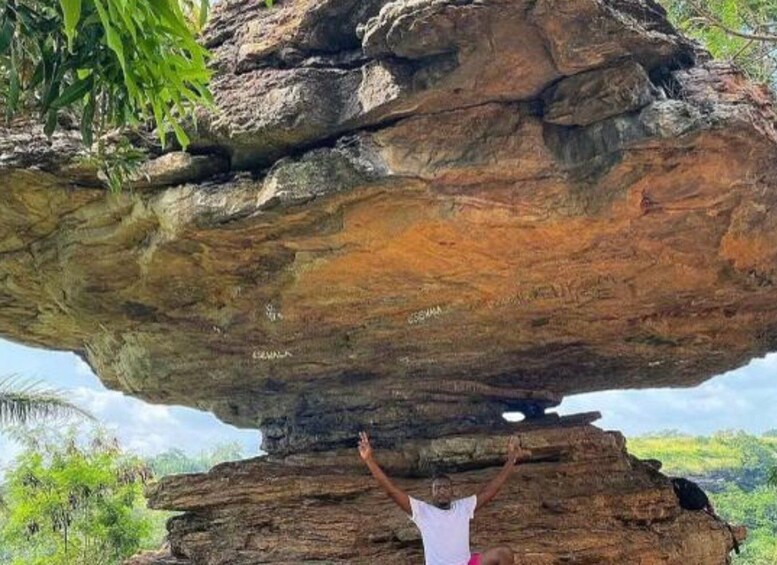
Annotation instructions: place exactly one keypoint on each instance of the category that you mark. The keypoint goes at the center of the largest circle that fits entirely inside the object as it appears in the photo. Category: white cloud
(81, 367)
(149, 429)
(156, 415)
(742, 399)
(94, 401)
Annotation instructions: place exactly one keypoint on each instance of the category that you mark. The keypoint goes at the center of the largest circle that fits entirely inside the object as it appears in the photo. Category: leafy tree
(110, 62)
(68, 504)
(758, 511)
(23, 402)
(742, 31)
(176, 461)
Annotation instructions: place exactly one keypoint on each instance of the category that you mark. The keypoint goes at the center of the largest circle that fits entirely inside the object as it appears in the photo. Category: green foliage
(758, 511)
(689, 455)
(742, 31)
(23, 402)
(65, 503)
(118, 161)
(734, 468)
(176, 461)
(110, 62)
(68, 504)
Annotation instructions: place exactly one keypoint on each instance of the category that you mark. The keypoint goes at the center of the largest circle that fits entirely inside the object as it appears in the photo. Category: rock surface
(159, 557)
(412, 216)
(581, 499)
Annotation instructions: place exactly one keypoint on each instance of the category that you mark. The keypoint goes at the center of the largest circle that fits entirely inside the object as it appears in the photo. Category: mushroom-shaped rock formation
(412, 216)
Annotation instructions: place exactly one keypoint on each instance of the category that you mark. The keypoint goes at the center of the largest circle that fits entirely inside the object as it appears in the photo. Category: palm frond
(25, 402)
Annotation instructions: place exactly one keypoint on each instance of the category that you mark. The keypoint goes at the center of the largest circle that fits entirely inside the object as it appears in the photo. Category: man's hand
(396, 494)
(515, 452)
(365, 449)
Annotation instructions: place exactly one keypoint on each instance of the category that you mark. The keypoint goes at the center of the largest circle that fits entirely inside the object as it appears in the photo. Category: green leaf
(71, 11)
(114, 42)
(91, 19)
(171, 14)
(116, 62)
(73, 93)
(25, 15)
(204, 12)
(37, 76)
(112, 38)
(13, 91)
(52, 92)
(6, 34)
(156, 106)
(87, 121)
(24, 401)
(180, 135)
(51, 123)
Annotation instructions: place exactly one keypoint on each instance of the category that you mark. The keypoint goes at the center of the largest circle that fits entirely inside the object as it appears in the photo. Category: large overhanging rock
(412, 216)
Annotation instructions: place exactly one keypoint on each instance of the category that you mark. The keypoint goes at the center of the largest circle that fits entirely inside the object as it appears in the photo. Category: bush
(72, 504)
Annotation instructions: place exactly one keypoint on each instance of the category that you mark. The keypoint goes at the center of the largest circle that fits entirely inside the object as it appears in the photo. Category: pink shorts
(475, 559)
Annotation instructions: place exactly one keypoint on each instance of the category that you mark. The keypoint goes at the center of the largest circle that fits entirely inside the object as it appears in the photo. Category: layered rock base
(580, 499)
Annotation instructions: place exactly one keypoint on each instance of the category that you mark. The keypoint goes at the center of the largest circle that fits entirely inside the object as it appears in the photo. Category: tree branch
(714, 21)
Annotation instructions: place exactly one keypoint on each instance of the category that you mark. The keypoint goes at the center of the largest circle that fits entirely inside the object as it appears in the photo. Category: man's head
(442, 491)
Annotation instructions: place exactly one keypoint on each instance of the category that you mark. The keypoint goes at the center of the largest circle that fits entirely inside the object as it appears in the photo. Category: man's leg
(497, 556)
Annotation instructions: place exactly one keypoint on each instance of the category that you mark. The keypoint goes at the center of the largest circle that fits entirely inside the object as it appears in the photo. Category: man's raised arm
(514, 454)
(396, 494)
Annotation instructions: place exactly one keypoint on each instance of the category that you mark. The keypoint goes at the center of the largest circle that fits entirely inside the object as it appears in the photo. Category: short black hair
(441, 477)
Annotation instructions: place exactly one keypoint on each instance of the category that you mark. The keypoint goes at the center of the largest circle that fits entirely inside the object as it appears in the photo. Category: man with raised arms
(444, 524)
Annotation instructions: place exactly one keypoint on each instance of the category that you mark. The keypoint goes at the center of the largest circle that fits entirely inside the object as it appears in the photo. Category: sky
(144, 428)
(742, 399)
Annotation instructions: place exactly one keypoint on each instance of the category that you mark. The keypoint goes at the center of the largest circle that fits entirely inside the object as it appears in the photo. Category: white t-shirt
(445, 532)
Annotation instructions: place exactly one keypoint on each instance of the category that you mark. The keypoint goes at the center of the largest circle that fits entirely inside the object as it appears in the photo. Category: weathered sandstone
(413, 216)
(581, 499)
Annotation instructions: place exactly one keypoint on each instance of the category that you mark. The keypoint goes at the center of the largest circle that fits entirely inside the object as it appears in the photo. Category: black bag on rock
(692, 497)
